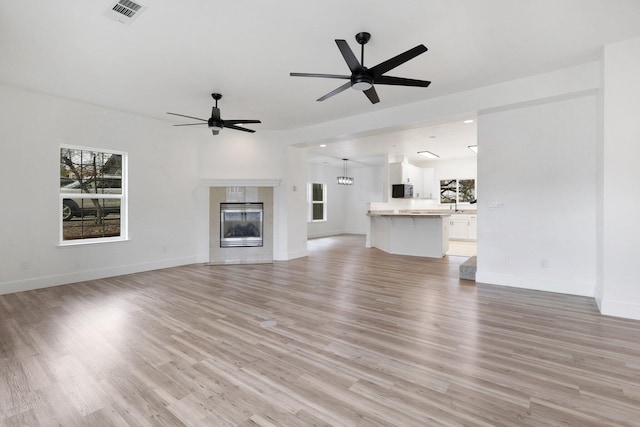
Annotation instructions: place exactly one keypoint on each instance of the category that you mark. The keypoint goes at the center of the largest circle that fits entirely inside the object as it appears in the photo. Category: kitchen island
(416, 233)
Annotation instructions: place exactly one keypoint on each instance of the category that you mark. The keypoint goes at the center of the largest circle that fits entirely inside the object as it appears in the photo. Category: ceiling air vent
(125, 11)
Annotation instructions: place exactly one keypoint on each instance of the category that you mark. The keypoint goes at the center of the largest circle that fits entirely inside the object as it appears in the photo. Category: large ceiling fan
(215, 123)
(363, 78)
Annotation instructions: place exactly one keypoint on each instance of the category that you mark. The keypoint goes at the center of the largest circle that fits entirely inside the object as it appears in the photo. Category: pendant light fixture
(345, 180)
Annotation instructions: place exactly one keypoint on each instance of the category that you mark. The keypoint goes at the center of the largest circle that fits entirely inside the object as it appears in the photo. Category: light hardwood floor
(460, 248)
(363, 338)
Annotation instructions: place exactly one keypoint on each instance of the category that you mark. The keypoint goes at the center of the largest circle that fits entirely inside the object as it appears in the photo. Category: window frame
(312, 202)
(122, 196)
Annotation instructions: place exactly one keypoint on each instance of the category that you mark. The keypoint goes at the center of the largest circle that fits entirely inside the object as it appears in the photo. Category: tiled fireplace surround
(240, 255)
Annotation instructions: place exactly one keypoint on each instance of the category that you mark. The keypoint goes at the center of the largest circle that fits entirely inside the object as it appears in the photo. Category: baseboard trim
(585, 289)
(82, 276)
(324, 234)
(620, 309)
(298, 254)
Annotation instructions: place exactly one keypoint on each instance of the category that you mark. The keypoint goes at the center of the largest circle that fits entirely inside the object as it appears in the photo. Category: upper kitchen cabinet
(422, 179)
(428, 186)
(406, 173)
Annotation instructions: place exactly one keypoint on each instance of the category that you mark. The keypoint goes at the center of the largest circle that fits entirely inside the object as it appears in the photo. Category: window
(457, 190)
(92, 195)
(317, 202)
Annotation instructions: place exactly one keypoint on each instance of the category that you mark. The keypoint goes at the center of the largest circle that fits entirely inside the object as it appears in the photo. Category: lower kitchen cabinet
(463, 227)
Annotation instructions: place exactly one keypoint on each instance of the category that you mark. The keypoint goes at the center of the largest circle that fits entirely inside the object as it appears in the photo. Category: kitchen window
(457, 190)
(93, 190)
(317, 202)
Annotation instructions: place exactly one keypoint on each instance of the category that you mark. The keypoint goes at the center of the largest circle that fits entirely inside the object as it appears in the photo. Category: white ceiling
(178, 52)
(448, 140)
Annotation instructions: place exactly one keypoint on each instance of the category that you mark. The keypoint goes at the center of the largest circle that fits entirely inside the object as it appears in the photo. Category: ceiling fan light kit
(363, 78)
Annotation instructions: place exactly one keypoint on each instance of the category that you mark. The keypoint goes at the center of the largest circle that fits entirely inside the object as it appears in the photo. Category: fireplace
(241, 225)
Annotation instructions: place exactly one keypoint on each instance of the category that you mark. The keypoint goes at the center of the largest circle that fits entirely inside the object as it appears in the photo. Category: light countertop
(409, 213)
(420, 212)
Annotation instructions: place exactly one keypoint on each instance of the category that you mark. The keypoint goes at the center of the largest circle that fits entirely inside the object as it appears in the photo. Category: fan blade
(345, 86)
(239, 128)
(189, 117)
(191, 124)
(372, 95)
(327, 76)
(215, 132)
(397, 60)
(349, 57)
(235, 122)
(215, 114)
(400, 81)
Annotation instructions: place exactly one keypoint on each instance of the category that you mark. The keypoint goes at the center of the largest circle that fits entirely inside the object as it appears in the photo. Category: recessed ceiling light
(428, 154)
(323, 145)
(473, 148)
(468, 121)
(432, 136)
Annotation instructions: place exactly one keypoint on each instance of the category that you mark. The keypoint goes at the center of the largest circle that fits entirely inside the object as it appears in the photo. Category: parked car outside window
(81, 207)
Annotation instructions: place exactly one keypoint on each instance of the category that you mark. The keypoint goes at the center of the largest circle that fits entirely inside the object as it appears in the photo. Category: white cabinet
(397, 174)
(459, 226)
(428, 186)
(406, 173)
(463, 227)
(472, 232)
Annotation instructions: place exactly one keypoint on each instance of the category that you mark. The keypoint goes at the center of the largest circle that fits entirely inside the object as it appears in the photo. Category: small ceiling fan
(215, 123)
(363, 78)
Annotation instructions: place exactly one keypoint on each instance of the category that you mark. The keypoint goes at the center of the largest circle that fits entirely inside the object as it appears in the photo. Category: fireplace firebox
(241, 225)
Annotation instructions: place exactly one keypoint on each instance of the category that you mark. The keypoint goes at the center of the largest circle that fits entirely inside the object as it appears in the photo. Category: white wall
(240, 156)
(369, 186)
(618, 290)
(537, 177)
(296, 220)
(336, 213)
(161, 200)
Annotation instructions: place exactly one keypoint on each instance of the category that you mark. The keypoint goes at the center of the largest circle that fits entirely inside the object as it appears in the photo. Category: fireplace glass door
(241, 225)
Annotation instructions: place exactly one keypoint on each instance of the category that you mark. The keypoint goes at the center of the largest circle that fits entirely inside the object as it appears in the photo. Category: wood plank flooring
(363, 338)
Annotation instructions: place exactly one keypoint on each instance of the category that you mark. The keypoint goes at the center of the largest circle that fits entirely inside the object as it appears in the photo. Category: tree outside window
(92, 195)
(457, 190)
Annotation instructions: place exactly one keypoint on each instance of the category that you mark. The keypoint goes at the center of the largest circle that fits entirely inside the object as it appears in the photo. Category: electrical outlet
(77, 265)
(544, 263)
(24, 265)
(164, 249)
(507, 261)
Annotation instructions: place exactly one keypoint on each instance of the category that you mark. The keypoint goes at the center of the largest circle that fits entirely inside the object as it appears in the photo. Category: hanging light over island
(345, 180)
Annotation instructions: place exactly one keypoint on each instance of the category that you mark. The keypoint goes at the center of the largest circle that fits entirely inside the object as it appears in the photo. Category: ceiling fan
(363, 78)
(215, 123)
